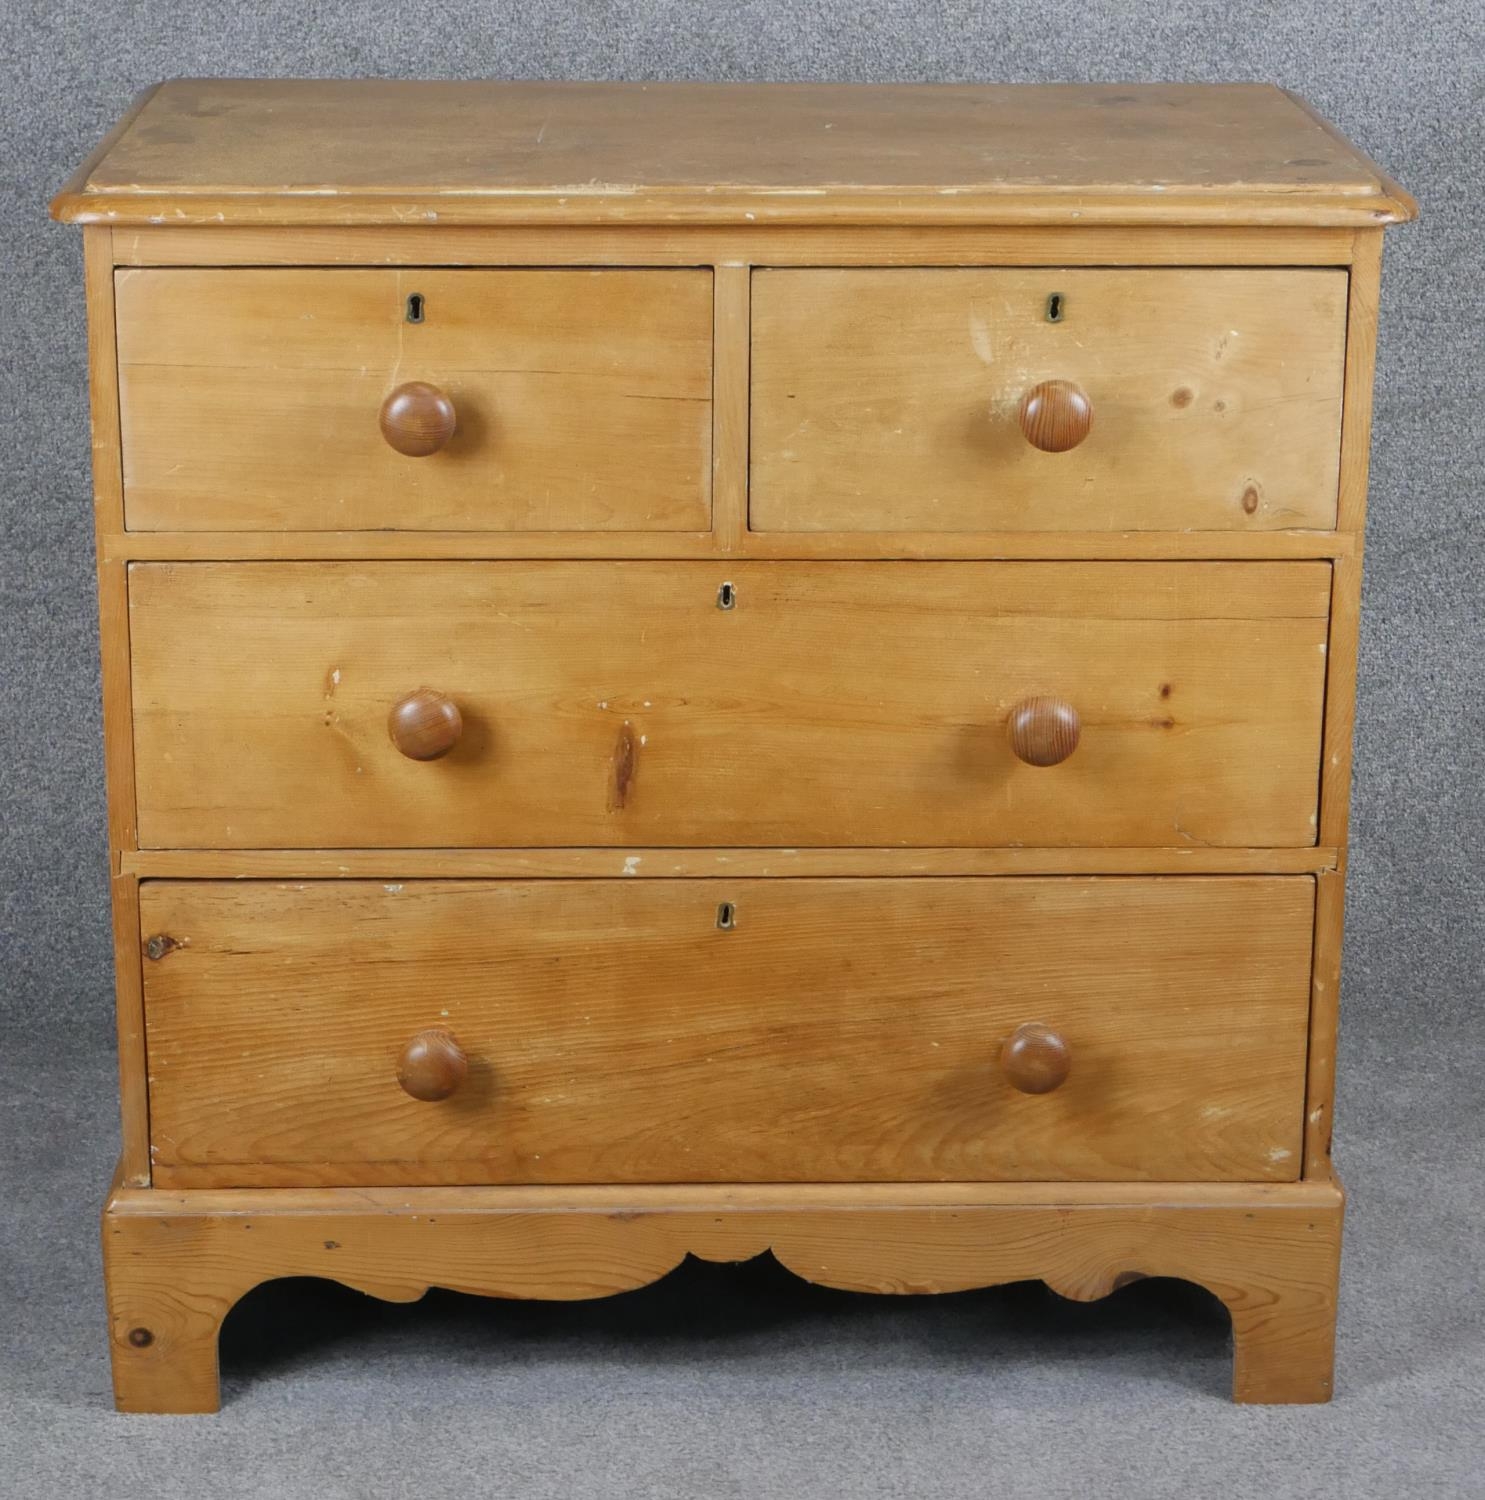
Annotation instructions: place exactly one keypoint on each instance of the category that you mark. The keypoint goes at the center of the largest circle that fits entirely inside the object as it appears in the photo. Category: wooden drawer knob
(1044, 731)
(1055, 416)
(432, 1065)
(1035, 1059)
(425, 724)
(417, 419)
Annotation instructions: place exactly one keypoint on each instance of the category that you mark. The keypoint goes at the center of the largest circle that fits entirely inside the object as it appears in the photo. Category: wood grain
(250, 399)
(1335, 813)
(1389, 184)
(835, 705)
(659, 864)
(865, 546)
(891, 400)
(1364, 294)
(527, 930)
(1325, 1007)
(1043, 731)
(744, 244)
(1345, 620)
(76, 186)
(615, 1034)
(432, 1066)
(417, 419)
(118, 735)
(730, 396)
(1055, 415)
(379, 152)
(425, 725)
(177, 1262)
(1340, 707)
(1036, 1058)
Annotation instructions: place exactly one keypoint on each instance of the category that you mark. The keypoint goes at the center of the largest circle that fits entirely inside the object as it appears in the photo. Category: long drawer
(1046, 399)
(752, 1030)
(702, 704)
(526, 400)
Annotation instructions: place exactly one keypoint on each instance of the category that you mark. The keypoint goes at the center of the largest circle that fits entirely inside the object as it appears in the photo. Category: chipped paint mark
(392, 890)
(631, 864)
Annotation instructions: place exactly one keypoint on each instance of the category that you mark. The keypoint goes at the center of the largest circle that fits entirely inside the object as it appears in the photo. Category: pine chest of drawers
(717, 670)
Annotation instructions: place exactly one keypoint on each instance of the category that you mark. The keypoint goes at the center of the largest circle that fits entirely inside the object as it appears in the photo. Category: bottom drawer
(810, 1030)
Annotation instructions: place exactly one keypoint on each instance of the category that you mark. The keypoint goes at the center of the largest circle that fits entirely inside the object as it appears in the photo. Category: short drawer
(897, 400)
(253, 400)
(299, 705)
(829, 1030)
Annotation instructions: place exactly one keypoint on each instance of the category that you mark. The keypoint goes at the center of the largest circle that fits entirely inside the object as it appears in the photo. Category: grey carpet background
(743, 1383)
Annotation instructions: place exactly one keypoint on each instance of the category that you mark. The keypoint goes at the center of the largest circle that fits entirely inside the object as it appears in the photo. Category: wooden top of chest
(380, 152)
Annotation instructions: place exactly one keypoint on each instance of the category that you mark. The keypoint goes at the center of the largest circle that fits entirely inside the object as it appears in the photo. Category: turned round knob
(1055, 415)
(425, 724)
(432, 1065)
(417, 419)
(1035, 1059)
(1043, 731)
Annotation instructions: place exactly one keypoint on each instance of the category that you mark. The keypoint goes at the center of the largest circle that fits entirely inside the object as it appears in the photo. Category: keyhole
(414, 307)
(726, 597)
(726, 916)
(1054, 308)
